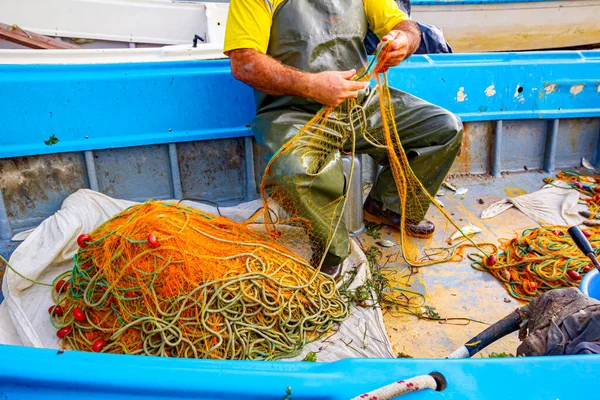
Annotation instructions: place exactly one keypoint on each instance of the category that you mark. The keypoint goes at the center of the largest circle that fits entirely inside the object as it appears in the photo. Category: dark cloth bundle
(562, 321)
(432, 37)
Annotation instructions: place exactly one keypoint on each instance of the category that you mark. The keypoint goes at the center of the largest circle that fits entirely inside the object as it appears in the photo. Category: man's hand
(403, 41)
(331, 88)
(270, 76)
(398, 47)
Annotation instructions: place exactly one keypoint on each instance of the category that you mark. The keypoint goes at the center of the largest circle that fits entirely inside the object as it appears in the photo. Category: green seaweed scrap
(52, 140)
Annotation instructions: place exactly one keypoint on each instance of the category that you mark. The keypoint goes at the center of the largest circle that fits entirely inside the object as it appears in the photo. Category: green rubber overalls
(326, 35)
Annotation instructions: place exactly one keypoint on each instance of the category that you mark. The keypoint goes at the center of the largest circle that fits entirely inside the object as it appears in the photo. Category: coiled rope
(435, 381)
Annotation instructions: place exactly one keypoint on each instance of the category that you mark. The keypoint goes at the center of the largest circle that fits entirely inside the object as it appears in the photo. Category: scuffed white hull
(117, 23)
(182, 52)
(515, 26)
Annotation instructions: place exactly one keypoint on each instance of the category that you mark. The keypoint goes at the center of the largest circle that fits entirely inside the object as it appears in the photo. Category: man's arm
(272, 77)
(405, 39)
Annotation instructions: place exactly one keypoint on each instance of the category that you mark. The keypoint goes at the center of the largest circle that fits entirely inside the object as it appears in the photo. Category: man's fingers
(351, 94)
(396, 56)
(356, 85)
(348, 74)
(390, 36)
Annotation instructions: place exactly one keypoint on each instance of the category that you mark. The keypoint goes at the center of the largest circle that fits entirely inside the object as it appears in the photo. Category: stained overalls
(326, 35)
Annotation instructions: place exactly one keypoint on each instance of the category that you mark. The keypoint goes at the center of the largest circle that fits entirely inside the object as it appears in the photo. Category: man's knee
(452, 127)
(339, 249)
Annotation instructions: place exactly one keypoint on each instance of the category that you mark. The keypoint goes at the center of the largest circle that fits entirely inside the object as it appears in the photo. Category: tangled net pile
(168, 280)
(546, 258)
(541, 259)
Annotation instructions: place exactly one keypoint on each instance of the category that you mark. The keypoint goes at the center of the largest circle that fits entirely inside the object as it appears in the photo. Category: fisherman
(301, 54)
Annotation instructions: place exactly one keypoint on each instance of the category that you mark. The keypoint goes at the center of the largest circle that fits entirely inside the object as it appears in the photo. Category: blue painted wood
(92, 107)
(551, 144)
(136, 173)
(523, 144)
(496, 167)
(577, 138)
(54, 375)
(90, 165)
(479, 87)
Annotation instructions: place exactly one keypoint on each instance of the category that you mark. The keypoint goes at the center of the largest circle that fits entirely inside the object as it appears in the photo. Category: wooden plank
(13, 33)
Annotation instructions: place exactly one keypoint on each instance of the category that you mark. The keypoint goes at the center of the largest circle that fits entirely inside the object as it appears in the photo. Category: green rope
(7, 264)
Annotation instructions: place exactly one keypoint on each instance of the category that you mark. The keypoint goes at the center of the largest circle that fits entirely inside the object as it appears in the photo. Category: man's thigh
(274, 129)
(418, 122)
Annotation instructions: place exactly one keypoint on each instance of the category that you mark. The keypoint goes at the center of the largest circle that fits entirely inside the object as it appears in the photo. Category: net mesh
(324, 138)
(539, 260)
(545, 257)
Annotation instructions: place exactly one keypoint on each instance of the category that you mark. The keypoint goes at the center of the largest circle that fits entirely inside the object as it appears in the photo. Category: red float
(78, 314)
(55, 310)
(62, 332)
(83, 240)
(98, 345)
(153, 241)
(574, 275)
(61, 285)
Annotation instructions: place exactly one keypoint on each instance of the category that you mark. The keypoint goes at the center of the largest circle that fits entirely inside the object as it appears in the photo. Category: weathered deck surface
(455, 289)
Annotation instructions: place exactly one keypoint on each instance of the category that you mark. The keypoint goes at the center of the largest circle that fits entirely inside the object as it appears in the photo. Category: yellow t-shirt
(249, 21)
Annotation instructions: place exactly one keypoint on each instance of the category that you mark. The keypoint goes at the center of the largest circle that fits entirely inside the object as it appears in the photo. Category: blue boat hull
(93, 107)
(188, 121)
(102, 376)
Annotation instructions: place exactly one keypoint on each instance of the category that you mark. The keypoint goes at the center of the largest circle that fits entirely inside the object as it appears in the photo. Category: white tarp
(48, 251)
(555, 204)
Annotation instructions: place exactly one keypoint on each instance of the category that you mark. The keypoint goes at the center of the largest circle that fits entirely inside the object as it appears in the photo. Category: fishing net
(164, 279)
(541, 259)
(334, 132)
(168, 280)
(587, 185)
(546, 257)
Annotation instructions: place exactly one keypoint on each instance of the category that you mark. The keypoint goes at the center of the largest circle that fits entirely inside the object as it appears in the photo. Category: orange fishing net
(169, 280)
(587, 185)
(541, 259)
(546, 257)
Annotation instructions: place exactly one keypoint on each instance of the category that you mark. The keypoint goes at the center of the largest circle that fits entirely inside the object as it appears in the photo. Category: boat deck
(456, 289)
